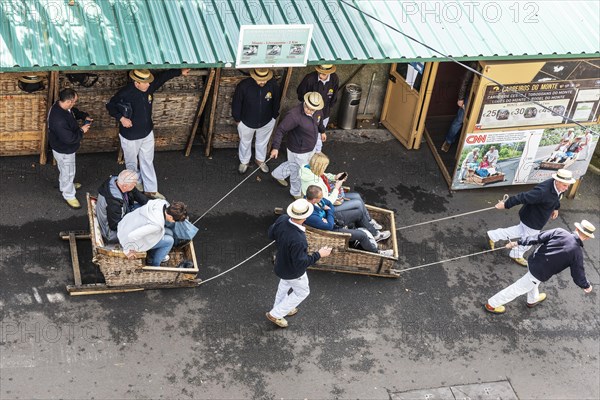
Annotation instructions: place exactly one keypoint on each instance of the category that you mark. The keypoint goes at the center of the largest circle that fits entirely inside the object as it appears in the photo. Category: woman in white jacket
(144, 230)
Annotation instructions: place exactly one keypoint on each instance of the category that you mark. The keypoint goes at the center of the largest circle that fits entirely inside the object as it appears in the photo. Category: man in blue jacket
(64, 137)
(539, 205)
(132, 108)
(559, 250)
(291, 261)
(323, 217)
(254, 107)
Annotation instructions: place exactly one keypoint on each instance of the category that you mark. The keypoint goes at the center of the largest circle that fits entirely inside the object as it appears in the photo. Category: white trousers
(527, 284)
(284, 302)
(66, 174)
(517, 231)
(291, 168)
(319, 145)
(142, 150)
(263, 135)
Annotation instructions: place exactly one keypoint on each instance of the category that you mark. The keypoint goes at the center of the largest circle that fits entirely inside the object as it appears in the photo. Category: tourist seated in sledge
(362, 233)
(117, 196)
(566, 152)
(143, 229)
(331, 184)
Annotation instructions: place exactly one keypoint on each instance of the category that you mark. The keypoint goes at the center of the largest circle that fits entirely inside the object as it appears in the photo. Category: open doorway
(443, 108)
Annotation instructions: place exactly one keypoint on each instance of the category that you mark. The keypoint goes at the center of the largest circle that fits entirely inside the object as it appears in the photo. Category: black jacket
(116, 207)
(141, 105)
(538, 204)
(328, 91)
(292, 258)
(64, 133)
(559, 250)
(255, 106)
(302, 130)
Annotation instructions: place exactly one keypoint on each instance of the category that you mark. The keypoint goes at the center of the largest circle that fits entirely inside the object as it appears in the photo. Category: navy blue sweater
(292, 258)
(255, 106)
(302, 130)
(559, 250)
(141, 105)
(538, 204)
(64, 133)
(328, 91)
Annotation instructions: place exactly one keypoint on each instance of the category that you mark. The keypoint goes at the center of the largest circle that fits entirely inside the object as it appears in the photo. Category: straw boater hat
(261, 74)
(30, 78)
(564, 176)
(141, 75)
(586, 228)
(314, 100)
(300, 209)
(326, 69)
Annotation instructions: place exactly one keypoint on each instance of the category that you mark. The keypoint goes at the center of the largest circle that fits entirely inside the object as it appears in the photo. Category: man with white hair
(116, 197)
(559, 250)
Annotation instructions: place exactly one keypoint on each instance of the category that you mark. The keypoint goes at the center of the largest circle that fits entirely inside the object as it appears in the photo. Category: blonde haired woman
(331, 184)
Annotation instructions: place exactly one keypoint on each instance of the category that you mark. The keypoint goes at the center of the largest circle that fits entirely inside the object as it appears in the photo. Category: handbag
(184, 230)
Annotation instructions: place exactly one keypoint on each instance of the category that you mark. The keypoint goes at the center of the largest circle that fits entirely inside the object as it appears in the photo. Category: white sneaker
(166, 259)
(382, 235)
(387, 253)
(376, 225)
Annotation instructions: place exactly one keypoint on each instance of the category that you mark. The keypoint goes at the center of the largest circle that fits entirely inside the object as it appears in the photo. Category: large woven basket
(120, 271)
(346, 259)
(22, 116)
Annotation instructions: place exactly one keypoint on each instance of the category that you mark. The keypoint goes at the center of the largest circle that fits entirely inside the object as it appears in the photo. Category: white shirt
(302, 228)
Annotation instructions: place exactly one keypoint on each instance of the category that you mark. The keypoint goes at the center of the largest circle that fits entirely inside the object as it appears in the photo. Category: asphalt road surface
(354, 337)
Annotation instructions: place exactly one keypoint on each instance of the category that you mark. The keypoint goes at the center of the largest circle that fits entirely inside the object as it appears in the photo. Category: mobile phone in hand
(343, 176)
(87, 121)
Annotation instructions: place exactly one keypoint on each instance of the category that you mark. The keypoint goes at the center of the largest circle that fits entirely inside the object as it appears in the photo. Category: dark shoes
(445, 147)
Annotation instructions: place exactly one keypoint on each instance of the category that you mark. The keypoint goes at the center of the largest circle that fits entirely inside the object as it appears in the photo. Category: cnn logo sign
(476, 139)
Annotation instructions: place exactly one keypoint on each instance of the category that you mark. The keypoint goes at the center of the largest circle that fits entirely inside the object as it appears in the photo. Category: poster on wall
(268, 46)
(518, 157)
(567, 89)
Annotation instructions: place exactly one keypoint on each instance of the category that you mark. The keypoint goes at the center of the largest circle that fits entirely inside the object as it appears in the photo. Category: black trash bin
(349, 106)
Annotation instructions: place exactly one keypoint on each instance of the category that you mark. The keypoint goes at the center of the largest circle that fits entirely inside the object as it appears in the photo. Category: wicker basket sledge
(120, 271)
(343, 258)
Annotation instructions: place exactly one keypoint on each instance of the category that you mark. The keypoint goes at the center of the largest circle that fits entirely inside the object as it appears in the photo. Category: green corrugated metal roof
(50, 34)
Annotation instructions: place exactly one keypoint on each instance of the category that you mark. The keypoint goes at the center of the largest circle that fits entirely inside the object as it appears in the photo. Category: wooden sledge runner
(122, 274)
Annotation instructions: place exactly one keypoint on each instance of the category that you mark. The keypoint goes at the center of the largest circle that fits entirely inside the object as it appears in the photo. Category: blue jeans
(161, 249)
(456, 125)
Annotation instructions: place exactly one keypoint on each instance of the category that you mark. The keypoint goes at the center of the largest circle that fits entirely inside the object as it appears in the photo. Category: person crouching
(144, 229)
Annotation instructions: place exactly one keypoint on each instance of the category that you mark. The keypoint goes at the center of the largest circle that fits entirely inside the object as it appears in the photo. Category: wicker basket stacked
(174, 109)
(105, 134)
(22, 116)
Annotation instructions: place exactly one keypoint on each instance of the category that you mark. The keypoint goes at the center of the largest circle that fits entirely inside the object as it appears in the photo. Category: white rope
(451, 259)
(452, 216)
(237, 265)
(228, 193)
